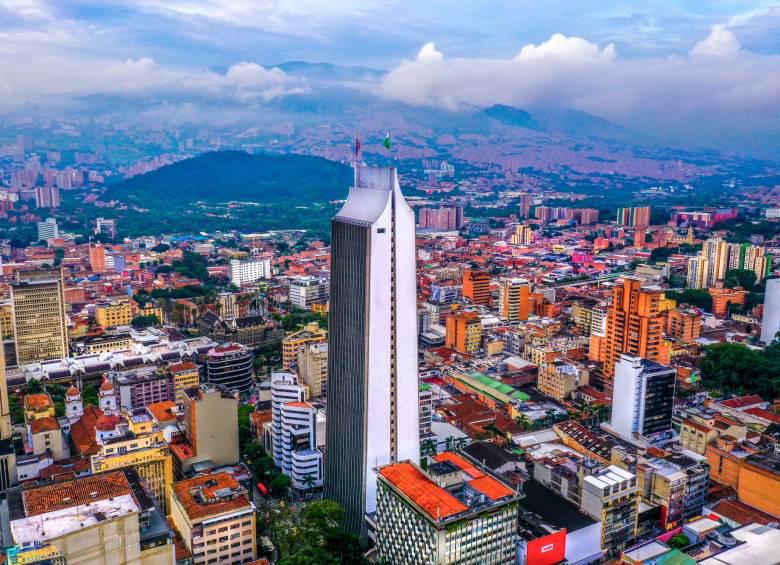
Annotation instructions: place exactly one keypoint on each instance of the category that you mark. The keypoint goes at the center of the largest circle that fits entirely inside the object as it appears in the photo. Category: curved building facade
(373, 403)
(230, 365)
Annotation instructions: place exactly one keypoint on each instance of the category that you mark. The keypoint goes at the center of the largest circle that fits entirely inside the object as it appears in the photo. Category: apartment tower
(476, 286)
(514, 297)
(373, 401)
(635, 324)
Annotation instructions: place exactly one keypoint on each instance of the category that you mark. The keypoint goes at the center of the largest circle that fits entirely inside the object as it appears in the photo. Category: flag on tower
(386, 141)
(357, 147)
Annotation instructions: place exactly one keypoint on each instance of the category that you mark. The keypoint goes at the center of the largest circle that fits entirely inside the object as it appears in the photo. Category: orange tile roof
(67, 494)
(208, 485)
(162, 411)
(183, 366)
(434, 500)
(37, 401)
(82, 432)
(464, 465)
(490, 487)
(47, 424)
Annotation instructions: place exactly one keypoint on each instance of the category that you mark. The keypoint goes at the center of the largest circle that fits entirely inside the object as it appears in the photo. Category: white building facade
(247, 271)
(770, 322)
(373, 400)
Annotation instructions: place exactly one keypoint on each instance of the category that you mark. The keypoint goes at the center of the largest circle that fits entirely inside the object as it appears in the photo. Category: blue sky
(651, 65)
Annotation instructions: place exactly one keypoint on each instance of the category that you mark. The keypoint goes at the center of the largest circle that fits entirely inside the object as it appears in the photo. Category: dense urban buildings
(230, 366)
(372, 370)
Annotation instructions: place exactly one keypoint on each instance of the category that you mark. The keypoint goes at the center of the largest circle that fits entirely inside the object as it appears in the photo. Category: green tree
(308, 555)
(679, 541)
(693, 296)
(89, 395)
(244, 427)
(34, 386)
(145, 321)
(740, 277)
(281, 484)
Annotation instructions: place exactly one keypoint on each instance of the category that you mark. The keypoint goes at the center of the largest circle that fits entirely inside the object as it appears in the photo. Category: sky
(648, 65)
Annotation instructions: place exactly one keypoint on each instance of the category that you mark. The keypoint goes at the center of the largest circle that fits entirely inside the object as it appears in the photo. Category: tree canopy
(740, 277)
(733, 368)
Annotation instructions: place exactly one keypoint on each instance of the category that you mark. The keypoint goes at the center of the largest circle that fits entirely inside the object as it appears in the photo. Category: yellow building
(312, 333)
(40, 324)
(133, 440)
(464, 332)
(523, 235)
(560, 379)
(215, 518)
(313, 367)
(117, 313)
(150, 310)
(185, 375)
(6, 320)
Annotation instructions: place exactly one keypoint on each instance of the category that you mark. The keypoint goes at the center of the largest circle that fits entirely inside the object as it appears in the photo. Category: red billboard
(547, 550)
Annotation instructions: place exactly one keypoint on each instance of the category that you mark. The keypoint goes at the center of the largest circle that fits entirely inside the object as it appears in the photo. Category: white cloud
(721, 42)
(717, 79)
(48, 76)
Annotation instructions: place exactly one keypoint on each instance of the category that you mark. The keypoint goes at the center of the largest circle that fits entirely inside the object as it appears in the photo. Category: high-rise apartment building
(373, 397)
(450, 513)
(97, 258)
(635, 324)
(464, 333)
(448, 218)
(717, 257)
(476, 286)
(514, 298)
(40, 323)
(247, 271)
(638, 217)
(770, 322)
(645, 390)
(105, 227)
(526, 203)
(523, 235)
(683, 324)
(48, 229)
(47, 197)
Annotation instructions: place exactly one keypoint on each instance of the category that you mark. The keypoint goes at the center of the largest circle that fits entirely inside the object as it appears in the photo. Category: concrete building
(112, 314)
(305, 291)
(645, 390)
(208, 435)
(101, 519)
(451, 513)
(476, 287)
(683, 324)
(448, 218)
(138, 389)
(48, 229)
(313, 367)
(7, 452)
(514, 299)
(97, 258)
(230, 365)
(464, 333)
(294, 432)
(215, 518)
(612, 497)
(132, 439)
(40, 323)
(247, 271)
(523, 235)
(561, 378)
(291, 343)
(770, 322)
(635, 324)
(185, 376)
(638, 217)
(373, 399)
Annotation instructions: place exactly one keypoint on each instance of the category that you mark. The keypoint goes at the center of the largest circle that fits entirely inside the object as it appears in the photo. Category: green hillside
(235, 175)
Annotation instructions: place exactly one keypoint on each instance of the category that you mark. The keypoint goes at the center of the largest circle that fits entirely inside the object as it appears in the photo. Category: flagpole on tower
(356, 162)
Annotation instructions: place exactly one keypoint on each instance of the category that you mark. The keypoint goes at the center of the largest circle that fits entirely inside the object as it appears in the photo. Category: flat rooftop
(553, 510)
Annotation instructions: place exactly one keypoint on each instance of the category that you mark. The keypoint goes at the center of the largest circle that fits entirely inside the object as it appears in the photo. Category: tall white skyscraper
(373, 404)
(770, 322)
